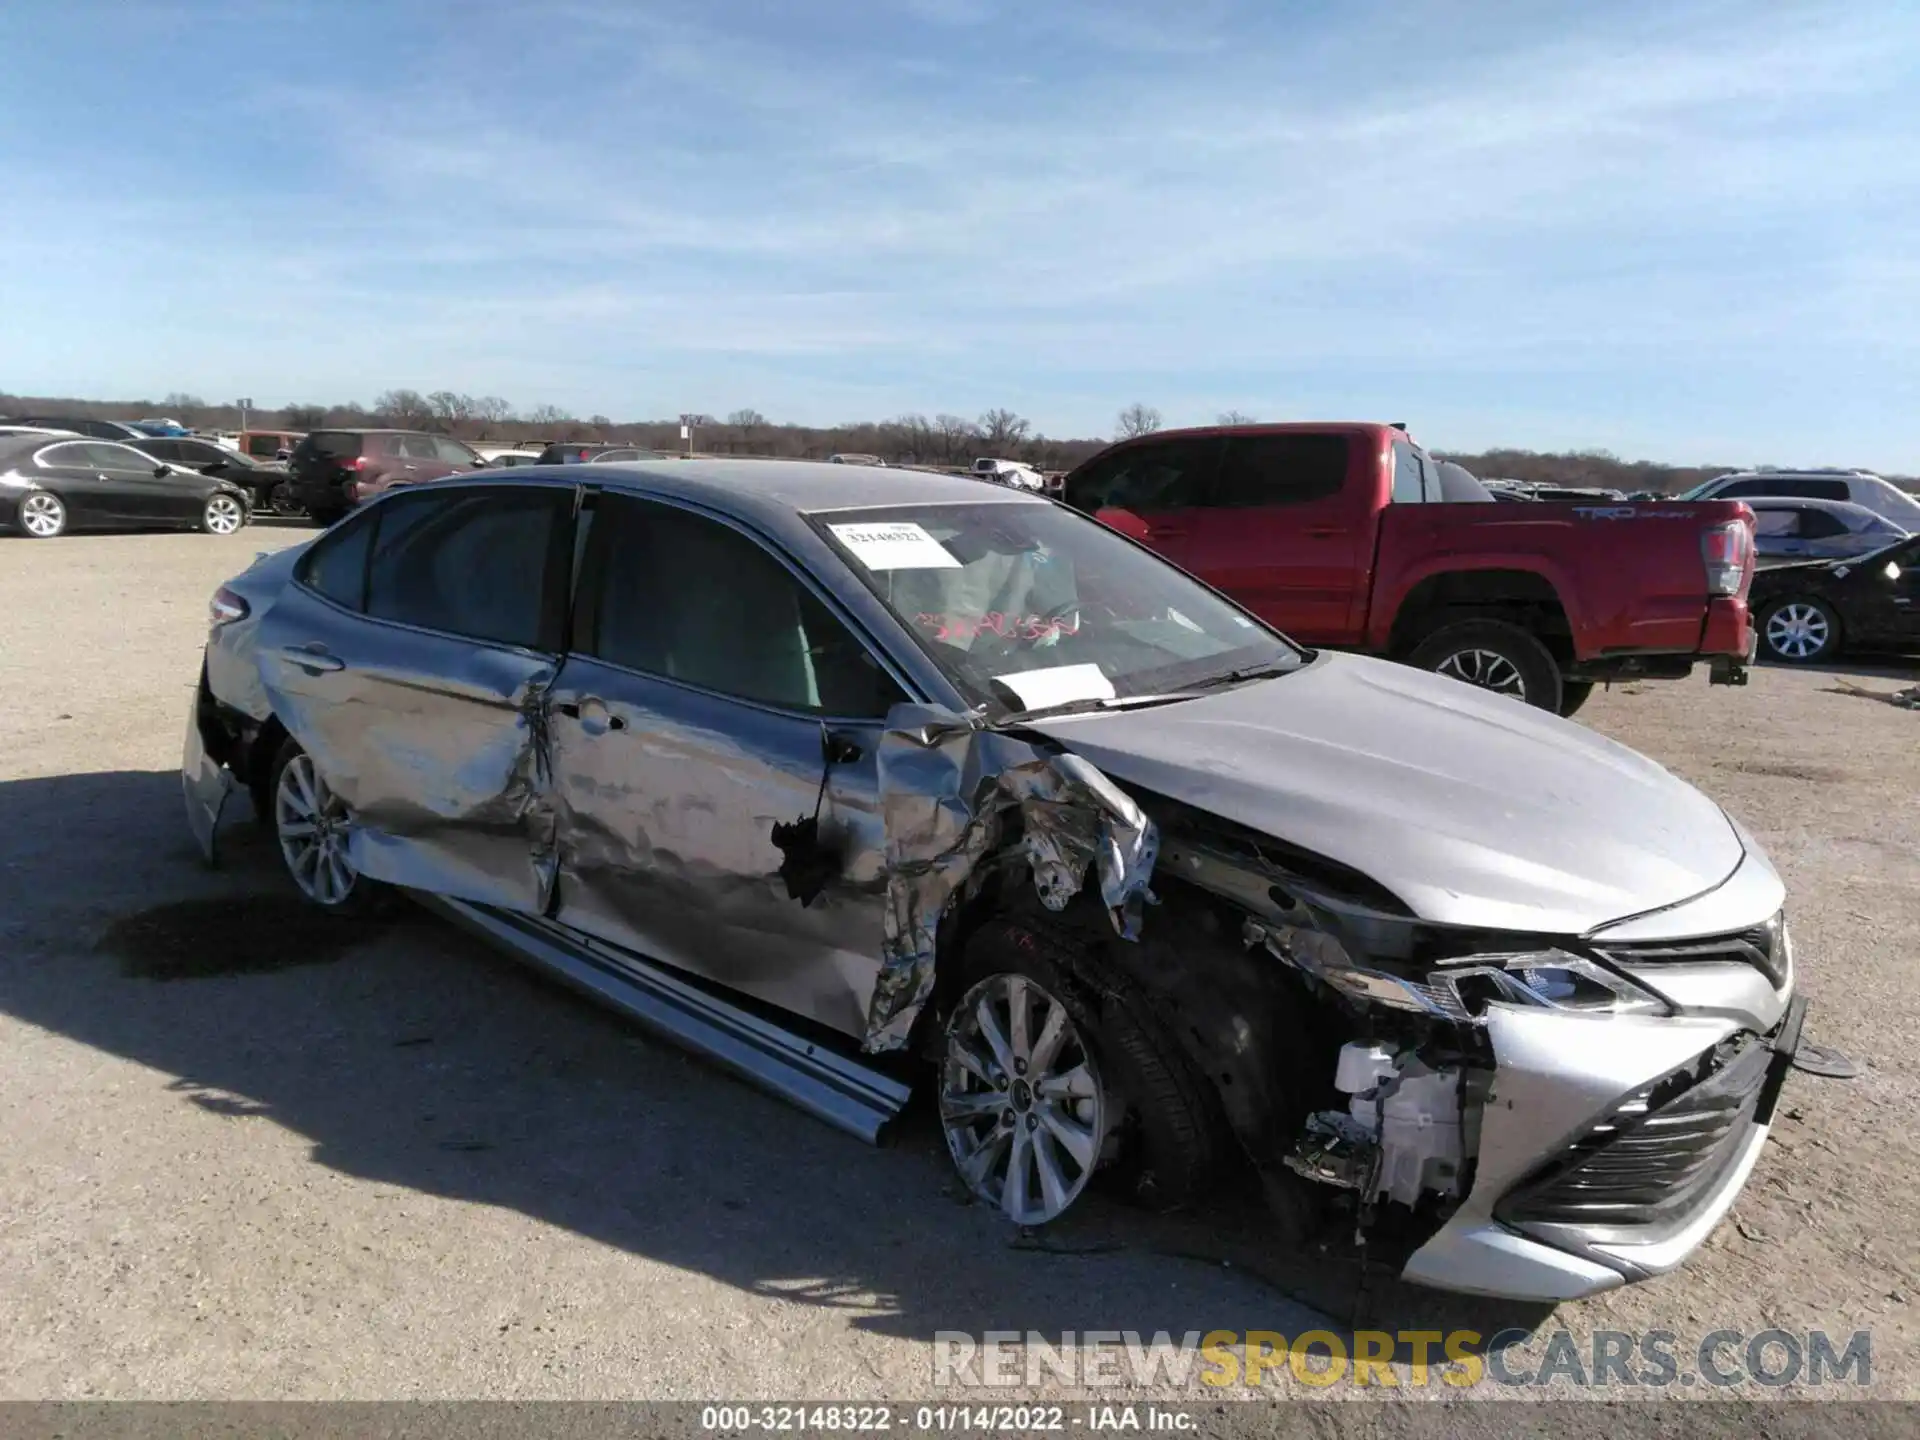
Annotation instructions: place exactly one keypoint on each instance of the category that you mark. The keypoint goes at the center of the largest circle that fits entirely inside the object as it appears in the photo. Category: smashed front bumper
(1649, 1126)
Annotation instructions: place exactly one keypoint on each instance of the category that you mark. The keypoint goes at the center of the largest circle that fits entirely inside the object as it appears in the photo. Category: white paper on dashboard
(1060, 685)
(894, 545)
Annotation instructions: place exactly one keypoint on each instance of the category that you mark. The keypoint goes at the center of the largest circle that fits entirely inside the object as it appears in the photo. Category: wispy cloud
(1524, 224)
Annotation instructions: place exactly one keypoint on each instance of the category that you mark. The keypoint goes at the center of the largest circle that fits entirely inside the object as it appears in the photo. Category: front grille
(1655, 1156)
(1768, 948)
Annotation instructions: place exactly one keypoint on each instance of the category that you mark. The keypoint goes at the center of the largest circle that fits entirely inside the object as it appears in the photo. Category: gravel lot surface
(279, 1162)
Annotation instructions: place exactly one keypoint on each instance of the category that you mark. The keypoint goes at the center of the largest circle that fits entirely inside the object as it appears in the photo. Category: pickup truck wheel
(1496, 656)
(1573, 694)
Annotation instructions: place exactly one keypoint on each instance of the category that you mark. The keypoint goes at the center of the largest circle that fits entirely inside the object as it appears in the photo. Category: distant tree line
(939, 440)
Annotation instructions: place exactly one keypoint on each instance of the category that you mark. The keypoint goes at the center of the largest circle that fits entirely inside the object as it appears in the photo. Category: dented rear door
(412, 659)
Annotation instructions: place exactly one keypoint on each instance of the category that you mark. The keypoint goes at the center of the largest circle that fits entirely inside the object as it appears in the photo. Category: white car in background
(1855, 487)
(1009, 472)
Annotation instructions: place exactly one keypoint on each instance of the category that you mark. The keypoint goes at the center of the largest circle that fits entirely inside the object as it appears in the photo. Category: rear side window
(337, 564)
(268, 446)
(1172, 475)
(1409, 475)
(1776, 522)
(472, 563)
(72, 453)
(1281, 470)
(1819, 525)
(335, 443)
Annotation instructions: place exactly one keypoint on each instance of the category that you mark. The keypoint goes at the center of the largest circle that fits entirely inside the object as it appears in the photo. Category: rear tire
(1800, 630)
(42, 515)
(1495, 655)
(311, 826)
(1574, 694)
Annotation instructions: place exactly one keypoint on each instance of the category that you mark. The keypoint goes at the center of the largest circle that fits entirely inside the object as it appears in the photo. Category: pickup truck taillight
(1727, 551)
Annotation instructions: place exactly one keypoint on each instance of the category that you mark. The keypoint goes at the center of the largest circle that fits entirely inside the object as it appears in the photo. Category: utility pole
(686, 431)
(245, 405)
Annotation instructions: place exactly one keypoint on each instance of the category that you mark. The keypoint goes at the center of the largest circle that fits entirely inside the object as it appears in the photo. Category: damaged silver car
(855, 780)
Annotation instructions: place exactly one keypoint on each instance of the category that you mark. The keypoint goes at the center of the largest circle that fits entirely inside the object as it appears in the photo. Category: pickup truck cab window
(1409, 476)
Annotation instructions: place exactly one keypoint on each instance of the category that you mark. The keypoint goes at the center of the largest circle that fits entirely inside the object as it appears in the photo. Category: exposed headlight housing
(1459, 990)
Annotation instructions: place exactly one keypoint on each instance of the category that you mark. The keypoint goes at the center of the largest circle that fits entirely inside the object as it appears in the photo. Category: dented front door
(435, 740)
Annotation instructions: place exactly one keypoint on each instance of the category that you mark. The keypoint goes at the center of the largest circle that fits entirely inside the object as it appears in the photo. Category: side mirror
(1125, 521)
(213, 467)
(160, 472)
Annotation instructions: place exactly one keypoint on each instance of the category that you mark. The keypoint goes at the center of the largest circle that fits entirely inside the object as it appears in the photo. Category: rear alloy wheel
(42, 515)
(222, 515)
(313, 829)
(1021, 1100)
(1801, 632)
(1496, 656)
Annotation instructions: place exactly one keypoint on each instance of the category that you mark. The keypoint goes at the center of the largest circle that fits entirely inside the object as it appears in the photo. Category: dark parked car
(334, 470)
(49, 486)
(1818, 611)
(577, 454)
(270, 485)
(81, 425)
(1791, 528)
(828, 771)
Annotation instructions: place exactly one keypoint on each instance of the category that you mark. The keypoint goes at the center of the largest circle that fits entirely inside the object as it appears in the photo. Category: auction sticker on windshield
(894, 545)
(1058, 685)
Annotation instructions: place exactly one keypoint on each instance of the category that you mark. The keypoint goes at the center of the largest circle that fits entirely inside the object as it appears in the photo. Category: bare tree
(450, 409)
(492, 409)
(304, 417)
(1003, 429)
(1234, 417)
(548, 415)
(403, 407)
(1138, 419)
(748, 420)
(957, 436)
(182, 405)
(600, 422)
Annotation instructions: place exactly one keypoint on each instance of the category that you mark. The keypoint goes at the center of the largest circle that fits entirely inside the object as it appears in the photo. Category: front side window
(1027, 605)
(453, 452)
(1268, 470)
(471, 562)
(264, 446)
(168, 450)
(1819, 525)
(690, 599)
(1169, 475)
(418, 447)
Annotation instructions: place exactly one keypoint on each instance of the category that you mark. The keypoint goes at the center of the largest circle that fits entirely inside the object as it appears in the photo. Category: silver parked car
(1799, 529)
(859, 780)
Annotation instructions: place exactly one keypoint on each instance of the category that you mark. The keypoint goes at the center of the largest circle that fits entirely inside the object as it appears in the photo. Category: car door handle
(592, 713)
(314, 659)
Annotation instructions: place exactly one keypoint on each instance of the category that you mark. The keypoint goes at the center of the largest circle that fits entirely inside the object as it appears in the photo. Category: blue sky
(1675, 230)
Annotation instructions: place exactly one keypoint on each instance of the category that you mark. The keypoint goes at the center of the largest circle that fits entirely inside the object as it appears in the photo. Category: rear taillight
(226, 607)
(1727, 551)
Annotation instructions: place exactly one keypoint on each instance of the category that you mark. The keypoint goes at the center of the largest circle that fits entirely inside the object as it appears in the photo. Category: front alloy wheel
(1799, 631)
(42, 515)
(1021, 1100)
(313, 827)
(223, 515)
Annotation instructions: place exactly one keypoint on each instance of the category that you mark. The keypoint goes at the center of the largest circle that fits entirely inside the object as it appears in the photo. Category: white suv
(1858, 487)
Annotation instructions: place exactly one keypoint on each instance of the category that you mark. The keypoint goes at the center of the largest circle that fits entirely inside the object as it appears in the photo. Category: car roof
(776, 493)
(1804, 502)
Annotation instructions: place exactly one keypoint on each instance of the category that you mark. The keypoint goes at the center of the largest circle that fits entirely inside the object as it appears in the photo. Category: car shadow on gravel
(407, 1053)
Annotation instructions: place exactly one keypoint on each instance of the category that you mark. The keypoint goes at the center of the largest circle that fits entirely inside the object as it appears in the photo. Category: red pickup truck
(1342, 535)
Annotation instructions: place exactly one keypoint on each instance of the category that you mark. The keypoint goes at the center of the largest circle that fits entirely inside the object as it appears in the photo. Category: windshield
(1029, 606)
(1698, 492)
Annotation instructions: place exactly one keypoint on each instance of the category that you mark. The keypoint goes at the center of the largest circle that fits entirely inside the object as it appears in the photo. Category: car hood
(1472, 808)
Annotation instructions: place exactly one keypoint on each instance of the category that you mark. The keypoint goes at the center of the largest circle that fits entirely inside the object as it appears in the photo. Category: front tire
(42, 515)
(1800, 631)
(1495, 655)
(1574, 694)
(222, 515)
(1047, 1080)
(312, 827)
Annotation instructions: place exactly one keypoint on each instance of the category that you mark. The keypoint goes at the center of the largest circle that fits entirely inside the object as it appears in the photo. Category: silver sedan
(857, 780)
